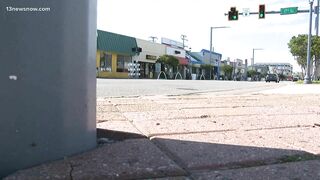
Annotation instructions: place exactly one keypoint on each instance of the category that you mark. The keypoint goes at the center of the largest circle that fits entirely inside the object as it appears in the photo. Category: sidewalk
(296, 89)
(264, 135)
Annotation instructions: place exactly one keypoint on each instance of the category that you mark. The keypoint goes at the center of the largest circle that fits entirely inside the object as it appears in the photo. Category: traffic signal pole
(271, 12)
(288, 11)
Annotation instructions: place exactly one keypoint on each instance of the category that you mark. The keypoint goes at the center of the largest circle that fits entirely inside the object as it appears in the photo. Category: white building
(176, 49)
(148, 57)
(278, 68)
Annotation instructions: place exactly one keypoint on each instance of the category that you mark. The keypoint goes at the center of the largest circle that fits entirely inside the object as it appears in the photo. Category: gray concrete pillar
(47, 79)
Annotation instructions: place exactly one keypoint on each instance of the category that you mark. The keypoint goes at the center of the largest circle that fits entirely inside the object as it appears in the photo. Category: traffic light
(233, 14)
(262, 11)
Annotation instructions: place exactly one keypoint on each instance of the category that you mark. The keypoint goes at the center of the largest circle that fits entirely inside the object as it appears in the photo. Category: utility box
(47, 81)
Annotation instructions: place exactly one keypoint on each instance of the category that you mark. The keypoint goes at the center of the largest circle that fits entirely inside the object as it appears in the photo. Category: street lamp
(217, 27)
(252, 60)
(307, 78)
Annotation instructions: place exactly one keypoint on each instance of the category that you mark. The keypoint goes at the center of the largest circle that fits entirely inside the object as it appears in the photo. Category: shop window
(106, 62)
(122, 63)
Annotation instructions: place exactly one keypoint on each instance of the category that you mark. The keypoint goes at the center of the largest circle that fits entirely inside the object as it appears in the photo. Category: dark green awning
(117, 43)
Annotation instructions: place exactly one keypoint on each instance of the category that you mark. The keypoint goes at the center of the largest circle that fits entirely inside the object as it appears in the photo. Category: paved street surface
(266, 132)
(146, 87)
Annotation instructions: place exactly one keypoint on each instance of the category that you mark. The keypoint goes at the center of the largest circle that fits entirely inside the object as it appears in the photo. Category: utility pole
(184, 38)
(307, 78)
(153, 38)
(252, 60)
(317, 19)
(211, 28)
(316, 60)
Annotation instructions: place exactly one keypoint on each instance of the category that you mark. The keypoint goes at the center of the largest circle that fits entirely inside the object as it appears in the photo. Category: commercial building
(278, 68)
(177, 50)
(148, 56)
(114, 53)
(195, 62)
(201, 64)
(240, 68)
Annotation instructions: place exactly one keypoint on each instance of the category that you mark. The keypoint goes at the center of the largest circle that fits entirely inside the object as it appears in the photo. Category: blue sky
(171, 18)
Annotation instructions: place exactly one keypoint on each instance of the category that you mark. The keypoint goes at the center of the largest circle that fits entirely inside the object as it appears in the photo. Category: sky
(193, 18)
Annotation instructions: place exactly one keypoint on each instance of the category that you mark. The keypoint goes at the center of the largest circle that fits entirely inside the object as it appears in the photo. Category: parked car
(272, 77)
(295, 78)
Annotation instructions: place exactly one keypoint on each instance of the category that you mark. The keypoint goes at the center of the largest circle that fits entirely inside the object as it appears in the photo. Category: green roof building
(114, 53)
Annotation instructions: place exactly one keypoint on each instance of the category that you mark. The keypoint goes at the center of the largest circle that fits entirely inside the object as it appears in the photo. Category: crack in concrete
(283, 127)
(220, 107)
(71, 170)
(256, 163)
(192, 132)
(225, 130)
(215, 116)
(173, 157)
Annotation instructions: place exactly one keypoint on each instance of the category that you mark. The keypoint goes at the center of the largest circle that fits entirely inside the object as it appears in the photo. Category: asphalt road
(147, 87)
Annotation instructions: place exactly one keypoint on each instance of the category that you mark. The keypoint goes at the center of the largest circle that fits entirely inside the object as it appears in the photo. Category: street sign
(289, 10)
(246, 12)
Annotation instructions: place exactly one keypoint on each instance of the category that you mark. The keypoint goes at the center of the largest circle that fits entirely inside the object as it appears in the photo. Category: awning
(182, 61)
(194, 61)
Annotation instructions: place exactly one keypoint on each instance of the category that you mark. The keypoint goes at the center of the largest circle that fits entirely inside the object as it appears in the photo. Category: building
(195, 61)
(214, 59)
(114, 53)
(148, 57)
(176, 49)
(200, 63)
(278, 68)
(239, 67)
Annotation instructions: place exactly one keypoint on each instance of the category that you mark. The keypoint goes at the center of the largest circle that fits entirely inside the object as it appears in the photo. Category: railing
(160, 74)
(177, 75)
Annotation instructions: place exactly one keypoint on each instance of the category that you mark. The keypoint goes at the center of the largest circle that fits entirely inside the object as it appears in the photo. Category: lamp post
(252, 61)
(217, 27)
(307, 78)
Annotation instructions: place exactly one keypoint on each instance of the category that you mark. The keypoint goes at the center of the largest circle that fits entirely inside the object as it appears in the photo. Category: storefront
(114, 53)
(148, 57)
(214, 59)
(175, 48)
(194, 67)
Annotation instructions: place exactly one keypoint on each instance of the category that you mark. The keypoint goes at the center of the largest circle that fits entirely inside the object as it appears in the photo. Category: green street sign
(289, 10)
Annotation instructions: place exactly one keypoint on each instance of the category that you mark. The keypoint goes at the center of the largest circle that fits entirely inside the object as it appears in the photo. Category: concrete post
(47, 77)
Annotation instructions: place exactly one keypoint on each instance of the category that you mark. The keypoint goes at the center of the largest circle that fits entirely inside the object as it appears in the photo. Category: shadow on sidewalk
(195, 156)
(133, 156)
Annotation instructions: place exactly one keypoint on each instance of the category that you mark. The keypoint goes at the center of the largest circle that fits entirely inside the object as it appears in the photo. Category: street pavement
(242, 134)
(151, 87)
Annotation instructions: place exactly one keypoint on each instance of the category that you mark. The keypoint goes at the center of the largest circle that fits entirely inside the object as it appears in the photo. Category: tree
(298, 48)
(168, 61)
(251, 73)
(207, 68)
(227, 69)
